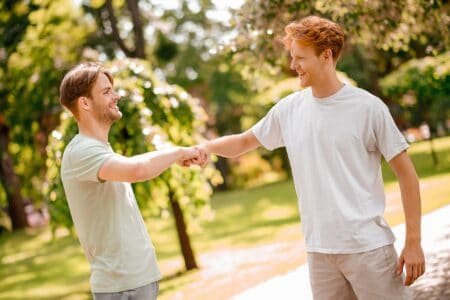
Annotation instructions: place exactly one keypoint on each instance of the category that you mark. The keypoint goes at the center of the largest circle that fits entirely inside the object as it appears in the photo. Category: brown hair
(78, 82)
(317, 32)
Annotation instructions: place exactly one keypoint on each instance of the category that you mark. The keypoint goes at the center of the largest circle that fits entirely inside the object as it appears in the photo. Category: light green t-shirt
(107, 219)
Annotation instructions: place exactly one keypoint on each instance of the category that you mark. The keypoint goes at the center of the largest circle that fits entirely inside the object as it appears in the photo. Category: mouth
(115, 106)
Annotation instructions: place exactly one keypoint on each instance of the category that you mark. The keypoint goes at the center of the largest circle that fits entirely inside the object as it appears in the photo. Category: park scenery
(188, 71)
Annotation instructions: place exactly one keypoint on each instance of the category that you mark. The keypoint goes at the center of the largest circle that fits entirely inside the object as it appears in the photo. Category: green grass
(33, 266)
(421, 155)
(242, 218)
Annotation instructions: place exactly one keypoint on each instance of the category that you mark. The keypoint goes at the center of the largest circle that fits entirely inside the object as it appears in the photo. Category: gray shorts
(368, 275)
(146, 292)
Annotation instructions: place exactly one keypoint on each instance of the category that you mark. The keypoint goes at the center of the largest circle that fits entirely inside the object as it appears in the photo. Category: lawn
(33, 266)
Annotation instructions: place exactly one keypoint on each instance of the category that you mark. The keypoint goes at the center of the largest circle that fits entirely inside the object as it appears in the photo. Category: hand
(413, 259)
(202, 160)
(188, 154)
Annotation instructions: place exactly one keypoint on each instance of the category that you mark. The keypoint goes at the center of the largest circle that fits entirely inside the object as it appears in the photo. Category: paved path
(433, 285)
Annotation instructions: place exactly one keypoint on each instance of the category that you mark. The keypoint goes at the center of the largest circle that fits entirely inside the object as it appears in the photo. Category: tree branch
(139, 47)
(115, 31)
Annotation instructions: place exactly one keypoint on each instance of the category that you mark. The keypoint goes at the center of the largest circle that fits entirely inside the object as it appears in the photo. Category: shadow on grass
(253, 227)
(53, 266)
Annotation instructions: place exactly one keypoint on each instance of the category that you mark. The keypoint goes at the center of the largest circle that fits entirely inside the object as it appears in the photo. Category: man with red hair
(335, 135)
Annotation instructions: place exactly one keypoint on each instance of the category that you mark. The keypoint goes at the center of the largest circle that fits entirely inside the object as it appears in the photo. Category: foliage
(389, 31)
(51, 43)
(422, 87)
(155, 115)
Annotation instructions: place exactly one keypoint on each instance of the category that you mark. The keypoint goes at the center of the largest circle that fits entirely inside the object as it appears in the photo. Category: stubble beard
(108, 117)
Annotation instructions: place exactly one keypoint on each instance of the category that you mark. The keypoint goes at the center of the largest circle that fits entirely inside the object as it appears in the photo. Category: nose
(116, 96)
(292, 66)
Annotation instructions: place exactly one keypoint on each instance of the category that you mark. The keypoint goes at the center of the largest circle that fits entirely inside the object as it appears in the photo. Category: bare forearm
(151, 164)
(226, 146)
(409, 186)
(411, 257)
(232, 145)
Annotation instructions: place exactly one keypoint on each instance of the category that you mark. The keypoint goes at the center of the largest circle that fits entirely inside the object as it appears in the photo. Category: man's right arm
(232, 145)
(144, 166)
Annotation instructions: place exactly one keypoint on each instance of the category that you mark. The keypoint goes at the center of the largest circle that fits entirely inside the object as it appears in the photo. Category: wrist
(206, 146)
(413, 241)
(179, 152)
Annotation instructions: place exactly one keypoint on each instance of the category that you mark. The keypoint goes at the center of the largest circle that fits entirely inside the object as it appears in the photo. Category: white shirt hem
(348, 251)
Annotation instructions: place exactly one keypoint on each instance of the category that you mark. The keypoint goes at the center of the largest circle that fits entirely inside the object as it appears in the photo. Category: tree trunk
(223, 166)
(10, 182)
(183, 237)
(139, 41)
(433, 153)
(48, 121)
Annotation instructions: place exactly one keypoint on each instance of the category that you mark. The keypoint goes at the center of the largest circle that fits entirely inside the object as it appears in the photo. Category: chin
(118, 116)
(115, 117)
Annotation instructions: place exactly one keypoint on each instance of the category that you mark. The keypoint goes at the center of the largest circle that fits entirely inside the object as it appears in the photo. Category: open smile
(115, 106)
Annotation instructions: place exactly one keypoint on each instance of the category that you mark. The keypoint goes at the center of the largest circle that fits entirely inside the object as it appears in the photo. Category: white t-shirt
(334, 145)
(107, 219)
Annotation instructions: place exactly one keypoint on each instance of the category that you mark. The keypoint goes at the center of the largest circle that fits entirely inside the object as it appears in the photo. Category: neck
(327, 85)
(95, 130)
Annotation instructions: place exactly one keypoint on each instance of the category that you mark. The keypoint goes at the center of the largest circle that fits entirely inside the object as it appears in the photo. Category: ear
(84, 103)
(327, 54)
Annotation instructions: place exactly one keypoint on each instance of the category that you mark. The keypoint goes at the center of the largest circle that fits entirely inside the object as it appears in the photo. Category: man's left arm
(412, 256)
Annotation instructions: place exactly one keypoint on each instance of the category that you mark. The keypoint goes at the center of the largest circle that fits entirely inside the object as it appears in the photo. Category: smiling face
(315, 45)
(306, 63)
(103, 101)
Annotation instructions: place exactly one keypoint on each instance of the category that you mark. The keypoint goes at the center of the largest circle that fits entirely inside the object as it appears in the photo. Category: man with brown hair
(335, 135)
(97, 181)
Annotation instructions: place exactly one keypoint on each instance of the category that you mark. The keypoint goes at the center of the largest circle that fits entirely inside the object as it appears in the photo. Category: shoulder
(286, 103)
(81, 146)
(366, 99)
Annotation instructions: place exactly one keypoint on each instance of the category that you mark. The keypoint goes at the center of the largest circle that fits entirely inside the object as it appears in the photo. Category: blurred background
(189, 71)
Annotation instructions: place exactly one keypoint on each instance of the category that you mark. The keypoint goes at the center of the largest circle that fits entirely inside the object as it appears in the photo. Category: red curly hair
(317, 32)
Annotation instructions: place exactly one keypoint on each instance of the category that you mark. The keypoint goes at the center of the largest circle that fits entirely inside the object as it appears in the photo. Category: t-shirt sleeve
(268, 129)
(86, 162)
(389, 140)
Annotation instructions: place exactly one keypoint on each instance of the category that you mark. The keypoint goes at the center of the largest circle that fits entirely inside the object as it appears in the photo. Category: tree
(155, 115)
(106, 15)
(179, 41)
(13, 24)
(40, 39)
(388, 32)
(422, 87)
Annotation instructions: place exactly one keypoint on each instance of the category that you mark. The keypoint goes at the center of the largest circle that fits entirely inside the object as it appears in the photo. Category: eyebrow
(106, 88)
